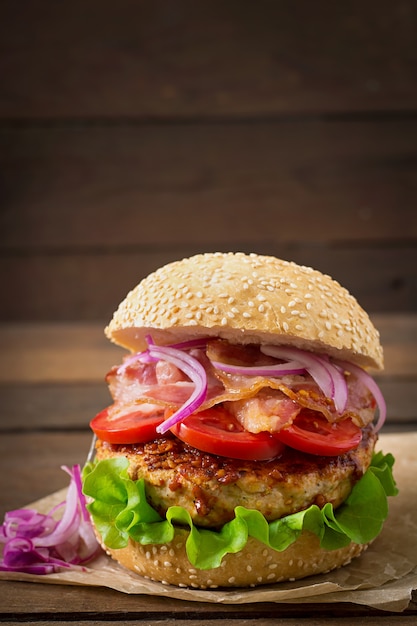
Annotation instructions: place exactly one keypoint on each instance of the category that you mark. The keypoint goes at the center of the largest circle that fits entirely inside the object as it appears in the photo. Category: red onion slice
(330, 380)
(370, 383)
(311, 362)
(38, 544)
(281, 369)
(340, 394)
(144, 356)
(194, 370)
(190, 344)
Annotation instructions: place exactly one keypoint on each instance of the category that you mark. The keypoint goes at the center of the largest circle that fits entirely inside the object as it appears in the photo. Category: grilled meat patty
(211, 486)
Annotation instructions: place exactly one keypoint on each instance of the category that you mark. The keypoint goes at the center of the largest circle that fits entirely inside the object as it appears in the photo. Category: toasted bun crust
(255, 565)
(247, 299)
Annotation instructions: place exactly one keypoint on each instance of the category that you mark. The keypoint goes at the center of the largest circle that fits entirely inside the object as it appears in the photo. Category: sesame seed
(261, 308)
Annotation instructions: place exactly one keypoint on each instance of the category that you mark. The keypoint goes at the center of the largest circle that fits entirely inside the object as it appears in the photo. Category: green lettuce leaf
(120, 510)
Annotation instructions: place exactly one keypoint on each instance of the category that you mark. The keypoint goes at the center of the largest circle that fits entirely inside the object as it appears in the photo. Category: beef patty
(210, 486)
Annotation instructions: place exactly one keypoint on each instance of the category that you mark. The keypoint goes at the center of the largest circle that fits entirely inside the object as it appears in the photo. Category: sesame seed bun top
(246, 299)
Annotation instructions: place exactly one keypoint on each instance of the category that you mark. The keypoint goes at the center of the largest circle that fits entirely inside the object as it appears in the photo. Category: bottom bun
(255, 565)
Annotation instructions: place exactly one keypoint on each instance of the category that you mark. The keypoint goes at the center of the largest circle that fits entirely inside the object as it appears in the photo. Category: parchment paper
(384, 577)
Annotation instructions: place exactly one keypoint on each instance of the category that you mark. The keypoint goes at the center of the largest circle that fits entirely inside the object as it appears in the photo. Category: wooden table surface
(51, 381)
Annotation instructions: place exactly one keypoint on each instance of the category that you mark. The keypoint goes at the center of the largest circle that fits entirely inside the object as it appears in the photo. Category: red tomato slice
(216, 431)
(311, 432)
(135, 427)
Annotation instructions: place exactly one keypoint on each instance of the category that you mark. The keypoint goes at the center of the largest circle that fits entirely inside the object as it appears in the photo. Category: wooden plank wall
(133, 133)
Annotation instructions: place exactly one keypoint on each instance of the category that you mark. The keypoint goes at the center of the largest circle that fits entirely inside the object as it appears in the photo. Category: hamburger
(239, 449)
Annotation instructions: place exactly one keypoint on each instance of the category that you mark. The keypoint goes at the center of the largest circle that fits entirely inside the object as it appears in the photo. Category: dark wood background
(134, 133)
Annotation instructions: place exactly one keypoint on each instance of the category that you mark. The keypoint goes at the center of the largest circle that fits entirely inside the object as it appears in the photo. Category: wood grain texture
(90, 603)
(26, 461)
(150, 187)
(89, 211)
(160, 59)
(89, 287)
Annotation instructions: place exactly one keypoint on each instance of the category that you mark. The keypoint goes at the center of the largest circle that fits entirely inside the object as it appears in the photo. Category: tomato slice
(218, 432)
(135, 427)
(311, 432)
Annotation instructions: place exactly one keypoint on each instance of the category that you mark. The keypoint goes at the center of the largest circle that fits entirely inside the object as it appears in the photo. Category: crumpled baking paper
(383, 577)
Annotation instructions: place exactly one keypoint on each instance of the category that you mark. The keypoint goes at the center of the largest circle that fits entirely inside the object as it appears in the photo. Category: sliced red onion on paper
(37, 543)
